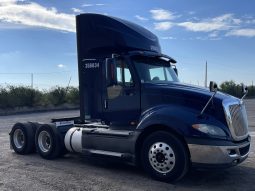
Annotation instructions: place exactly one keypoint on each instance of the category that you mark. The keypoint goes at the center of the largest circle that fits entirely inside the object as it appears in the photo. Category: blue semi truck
(133, 108)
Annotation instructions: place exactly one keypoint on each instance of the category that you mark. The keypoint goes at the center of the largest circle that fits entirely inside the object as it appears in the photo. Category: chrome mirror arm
(205, 107)
(244, 95)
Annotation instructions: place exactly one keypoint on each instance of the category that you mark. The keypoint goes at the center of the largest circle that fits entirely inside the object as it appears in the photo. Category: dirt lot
(74, 173)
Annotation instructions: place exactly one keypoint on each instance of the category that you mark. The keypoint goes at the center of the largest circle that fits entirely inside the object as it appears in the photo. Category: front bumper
(219, 154)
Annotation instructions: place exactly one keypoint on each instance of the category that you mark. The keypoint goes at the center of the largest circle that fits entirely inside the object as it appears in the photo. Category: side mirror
(111, 71)
(175, 70)
(244, 89)
(213, 86)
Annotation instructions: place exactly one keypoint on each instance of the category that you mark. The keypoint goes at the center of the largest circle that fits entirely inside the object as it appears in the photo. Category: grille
(239, 119)
(236, 118)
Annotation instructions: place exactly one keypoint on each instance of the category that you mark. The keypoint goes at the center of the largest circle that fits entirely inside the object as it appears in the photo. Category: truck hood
(185, 94)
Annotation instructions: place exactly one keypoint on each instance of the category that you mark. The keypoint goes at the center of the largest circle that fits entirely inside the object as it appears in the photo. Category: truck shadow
(239, 178)
(236, 178)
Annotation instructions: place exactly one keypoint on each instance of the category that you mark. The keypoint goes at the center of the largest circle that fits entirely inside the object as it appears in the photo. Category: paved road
(74, 173)
(250, 107)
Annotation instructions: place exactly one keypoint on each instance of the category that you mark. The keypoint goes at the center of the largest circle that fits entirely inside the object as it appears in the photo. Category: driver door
(123, 99)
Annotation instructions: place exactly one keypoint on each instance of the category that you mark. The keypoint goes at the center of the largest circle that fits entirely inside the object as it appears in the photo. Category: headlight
(209, 129)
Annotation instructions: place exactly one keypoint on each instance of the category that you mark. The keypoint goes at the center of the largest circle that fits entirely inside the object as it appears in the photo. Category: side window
(119, 75)
(124, 79)
(123, 74)
(157, 74)
(128, 78)
(168, 75)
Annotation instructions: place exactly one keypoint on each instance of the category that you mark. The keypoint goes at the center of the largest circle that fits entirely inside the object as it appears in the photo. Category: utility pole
(206, 74)
(32, 80)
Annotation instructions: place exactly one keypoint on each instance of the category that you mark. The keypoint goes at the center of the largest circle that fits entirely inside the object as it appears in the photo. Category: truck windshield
(154, 70)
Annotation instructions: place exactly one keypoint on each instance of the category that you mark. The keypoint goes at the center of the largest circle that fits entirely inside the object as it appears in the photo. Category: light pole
(32, 80)
(206, 74)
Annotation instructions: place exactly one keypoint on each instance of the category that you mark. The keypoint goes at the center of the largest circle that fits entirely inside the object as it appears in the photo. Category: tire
(48, 142)
(22, 138)
(164, 157)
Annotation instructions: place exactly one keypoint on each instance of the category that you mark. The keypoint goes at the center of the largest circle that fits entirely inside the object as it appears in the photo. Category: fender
(176, 117)
(179, 119)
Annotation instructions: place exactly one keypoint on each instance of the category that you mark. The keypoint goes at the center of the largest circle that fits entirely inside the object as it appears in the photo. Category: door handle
(105, 104)
(129, 93)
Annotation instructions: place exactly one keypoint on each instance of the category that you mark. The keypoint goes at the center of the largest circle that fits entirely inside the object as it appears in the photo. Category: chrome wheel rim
(19, 138)
(161, 157)
(44, 141)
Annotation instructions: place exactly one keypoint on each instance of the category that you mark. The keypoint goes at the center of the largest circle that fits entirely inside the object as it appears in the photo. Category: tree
(230, 87)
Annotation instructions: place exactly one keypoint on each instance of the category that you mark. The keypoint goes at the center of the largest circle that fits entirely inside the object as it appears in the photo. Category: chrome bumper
(218, 155)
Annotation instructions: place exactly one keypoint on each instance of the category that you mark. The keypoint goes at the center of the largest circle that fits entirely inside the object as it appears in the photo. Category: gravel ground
(72, 172)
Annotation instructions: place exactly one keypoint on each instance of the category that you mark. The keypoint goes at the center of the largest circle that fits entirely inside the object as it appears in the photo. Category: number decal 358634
(92, 65)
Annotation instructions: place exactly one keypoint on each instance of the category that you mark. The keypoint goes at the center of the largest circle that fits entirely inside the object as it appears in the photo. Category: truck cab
(127, 85)
(134, 108)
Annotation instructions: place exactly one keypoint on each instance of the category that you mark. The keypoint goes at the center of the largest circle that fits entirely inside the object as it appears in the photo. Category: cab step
(108, 154)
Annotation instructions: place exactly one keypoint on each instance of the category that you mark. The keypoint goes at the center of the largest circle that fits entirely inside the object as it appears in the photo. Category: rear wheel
(44, 141)
(48, 142)
(22, 138)
(164, 157)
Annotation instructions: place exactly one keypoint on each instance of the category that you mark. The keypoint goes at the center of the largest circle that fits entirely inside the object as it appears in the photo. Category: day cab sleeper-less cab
(133, 108)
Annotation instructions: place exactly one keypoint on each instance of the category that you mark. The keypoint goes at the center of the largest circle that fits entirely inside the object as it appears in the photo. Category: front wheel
(164, 157)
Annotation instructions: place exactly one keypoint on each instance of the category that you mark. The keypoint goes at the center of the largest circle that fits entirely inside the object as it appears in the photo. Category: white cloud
(91, 5)
(141, 18)
(237, 21)
(191, 12)
(226, 24)
(4, 26)
(250, 21)
(7, 2)
(201, 38)
(168, 38)
(162, 26)
(202, 26)
(162, 14)
(87, 5)
(223, 22)
(75, 10)
(223, 18)
(33, 14)
(61, 66)
(214, 34)
(242, 32)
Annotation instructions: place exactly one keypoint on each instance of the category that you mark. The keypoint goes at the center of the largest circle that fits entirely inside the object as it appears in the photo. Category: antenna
(206, 74)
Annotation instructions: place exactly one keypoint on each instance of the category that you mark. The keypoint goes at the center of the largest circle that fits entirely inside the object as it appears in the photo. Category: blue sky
(39, 37)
